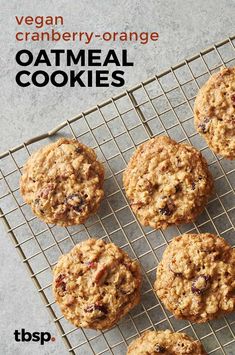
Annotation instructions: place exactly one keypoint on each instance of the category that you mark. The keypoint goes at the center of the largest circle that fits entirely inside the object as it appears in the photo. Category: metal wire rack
(161, 105)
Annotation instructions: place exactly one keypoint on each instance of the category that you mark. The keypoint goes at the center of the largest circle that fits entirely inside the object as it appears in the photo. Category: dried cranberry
(169, 207)
(149, 186)
(91, 264)
(101, 308)
(200, 284)
(178, 188)
(165, 211)
(79, 150)
(60, 283)
(160, 349)
(233, 97)
(203, 127)
(78, 208)
(96, 307)
(76, 201)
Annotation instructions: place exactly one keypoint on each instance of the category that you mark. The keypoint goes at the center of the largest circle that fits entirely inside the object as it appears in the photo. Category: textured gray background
(185, 27)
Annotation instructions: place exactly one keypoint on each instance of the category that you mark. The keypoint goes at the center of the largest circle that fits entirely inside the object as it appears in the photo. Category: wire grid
(161, 105)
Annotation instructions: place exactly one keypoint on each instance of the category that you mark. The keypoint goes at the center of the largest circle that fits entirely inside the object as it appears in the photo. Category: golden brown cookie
(165, 342)
(167, 182)
(96, 284)
(196, 277)
(214, 112)
(62, 182)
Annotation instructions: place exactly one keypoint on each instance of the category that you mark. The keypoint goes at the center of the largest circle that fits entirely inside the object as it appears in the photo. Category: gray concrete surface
(184, 26)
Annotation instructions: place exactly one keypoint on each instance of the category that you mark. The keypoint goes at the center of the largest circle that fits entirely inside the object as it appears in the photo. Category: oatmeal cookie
(167, 182)
(167, 342)
(196, 277)
(214, 112)
(96, 284)
(62, 182)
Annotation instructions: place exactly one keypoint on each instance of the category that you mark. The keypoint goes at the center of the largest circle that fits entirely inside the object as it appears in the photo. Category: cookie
(96, 284)
(214, 112)
(167, 182)
(62, 182)
(196, 277)
(165, 342)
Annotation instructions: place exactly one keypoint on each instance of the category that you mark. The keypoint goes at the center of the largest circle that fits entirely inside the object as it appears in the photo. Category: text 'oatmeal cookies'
(165, 342)
(196, 277)
(214, 112)
(96, 284)
(63, 182)
(167, 182)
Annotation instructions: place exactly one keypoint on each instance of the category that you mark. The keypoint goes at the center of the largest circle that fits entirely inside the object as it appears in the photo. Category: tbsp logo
(41, 337)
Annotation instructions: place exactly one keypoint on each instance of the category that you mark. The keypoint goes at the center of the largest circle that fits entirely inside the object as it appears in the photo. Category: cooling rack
(160, 105)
